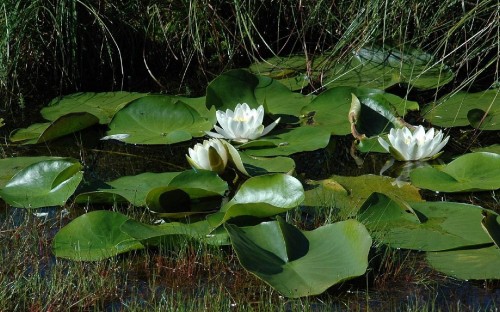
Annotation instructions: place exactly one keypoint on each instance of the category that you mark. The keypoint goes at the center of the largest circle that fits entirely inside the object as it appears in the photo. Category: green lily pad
(132, 189)
(378, 110)
(10, 166)
(347, 194)
(480, 110)
(382, 67)
(428, 226)
(288, 142)
(171, 231)
(299, 263)
(187, 194)
(240, 86)
(278, 99)
(467, 264)
(290, 71)
(230, 88)
(370, 67)
(94, 236)
(469, 172)
(103, 105)
(491, 226)
(264, 165)
(199, 105)
(157, 120)
(261, 196)
(495, 148)
(44, 183)
(368, 145)
(44, 132)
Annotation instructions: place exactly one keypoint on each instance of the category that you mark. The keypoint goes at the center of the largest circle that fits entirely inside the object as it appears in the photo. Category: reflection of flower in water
(242, 125)
(404, 171)
(405, 144)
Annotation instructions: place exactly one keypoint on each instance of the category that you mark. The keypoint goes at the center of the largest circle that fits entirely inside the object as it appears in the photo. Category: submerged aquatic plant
(210, 155)
(242, 125)
(407, 145)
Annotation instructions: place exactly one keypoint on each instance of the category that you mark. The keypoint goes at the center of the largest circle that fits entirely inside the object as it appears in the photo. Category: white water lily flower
(210, 155)
(242, 125)
(405, 144)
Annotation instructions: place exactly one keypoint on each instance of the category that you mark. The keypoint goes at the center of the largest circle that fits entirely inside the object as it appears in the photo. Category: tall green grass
(53, 47)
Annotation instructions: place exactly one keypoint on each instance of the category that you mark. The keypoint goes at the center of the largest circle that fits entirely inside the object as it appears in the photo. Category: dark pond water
(107, 160)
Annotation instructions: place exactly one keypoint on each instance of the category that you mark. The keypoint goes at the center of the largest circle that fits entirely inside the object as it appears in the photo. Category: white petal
(399, 144)
(270, 127)
(431, 145)
(419, 135)
(222, 119)
(226, 132)
(256, 133)
(439, 147)
(259, 114)
(214, 135)
(383, 143)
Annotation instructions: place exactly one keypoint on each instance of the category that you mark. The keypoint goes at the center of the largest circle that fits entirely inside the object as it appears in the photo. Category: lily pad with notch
(157, 120)
(302, 263)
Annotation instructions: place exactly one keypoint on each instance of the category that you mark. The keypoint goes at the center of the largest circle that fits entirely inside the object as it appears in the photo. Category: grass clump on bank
(59, 47)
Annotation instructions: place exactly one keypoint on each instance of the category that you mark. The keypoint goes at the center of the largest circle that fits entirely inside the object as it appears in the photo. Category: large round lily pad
(94, 236)
(428, 226)
(469, 172)
(300, 263)
(157, 120)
